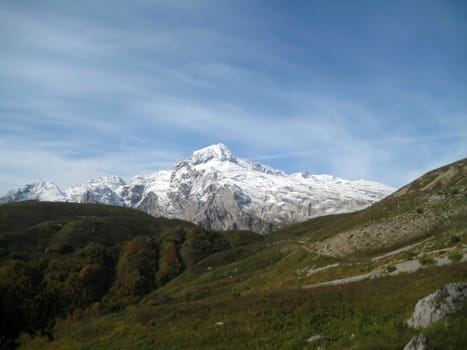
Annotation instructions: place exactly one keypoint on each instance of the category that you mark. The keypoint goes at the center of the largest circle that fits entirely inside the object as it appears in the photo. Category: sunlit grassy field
(369, 314)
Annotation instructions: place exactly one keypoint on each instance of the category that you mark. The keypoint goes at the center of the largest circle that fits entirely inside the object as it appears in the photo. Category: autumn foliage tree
(137, 267)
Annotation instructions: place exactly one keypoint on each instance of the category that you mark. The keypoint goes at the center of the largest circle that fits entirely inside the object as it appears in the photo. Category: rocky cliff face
(216, 189)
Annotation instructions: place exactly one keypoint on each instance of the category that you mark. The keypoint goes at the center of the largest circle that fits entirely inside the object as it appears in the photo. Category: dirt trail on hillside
(401, 267)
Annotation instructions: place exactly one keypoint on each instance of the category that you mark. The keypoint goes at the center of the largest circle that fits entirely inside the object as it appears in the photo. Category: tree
(26, 305)
(136, 269)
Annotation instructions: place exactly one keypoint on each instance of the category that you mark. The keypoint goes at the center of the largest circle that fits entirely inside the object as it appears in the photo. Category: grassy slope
(247, 287)
(434, 191)
(30, 227)
(364, 315)
(92, 253)
(284, 257)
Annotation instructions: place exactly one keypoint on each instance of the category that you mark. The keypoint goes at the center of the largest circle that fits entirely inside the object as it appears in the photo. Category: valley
(120, 277)
(233, 175)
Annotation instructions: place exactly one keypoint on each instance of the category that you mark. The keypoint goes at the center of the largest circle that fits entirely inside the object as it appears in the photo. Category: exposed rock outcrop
(418, 342)
(438, 305)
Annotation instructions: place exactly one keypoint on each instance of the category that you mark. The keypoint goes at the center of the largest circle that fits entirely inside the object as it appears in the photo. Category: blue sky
(356, 89)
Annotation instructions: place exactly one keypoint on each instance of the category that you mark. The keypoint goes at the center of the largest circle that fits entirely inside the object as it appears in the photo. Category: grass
(364, 315)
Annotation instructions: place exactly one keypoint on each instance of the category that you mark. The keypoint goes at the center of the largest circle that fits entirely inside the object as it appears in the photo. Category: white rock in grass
(418, 342)
(313, 339)
(438, 305)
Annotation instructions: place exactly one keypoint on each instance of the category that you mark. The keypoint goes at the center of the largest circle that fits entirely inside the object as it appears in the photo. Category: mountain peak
(38, 190)
(40, 185)
(218, 152)
(111, 180)
(214, 188)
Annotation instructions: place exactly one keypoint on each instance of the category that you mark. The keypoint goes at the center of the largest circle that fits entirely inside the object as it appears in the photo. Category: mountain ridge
(218, 190)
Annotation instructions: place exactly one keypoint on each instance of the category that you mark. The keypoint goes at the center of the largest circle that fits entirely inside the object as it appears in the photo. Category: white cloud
(78, 94)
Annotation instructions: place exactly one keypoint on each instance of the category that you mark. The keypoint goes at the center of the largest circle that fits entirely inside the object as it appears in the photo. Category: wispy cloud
(20, 166)
(126, 88)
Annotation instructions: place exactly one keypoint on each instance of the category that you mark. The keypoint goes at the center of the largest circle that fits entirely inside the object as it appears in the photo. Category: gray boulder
(418, 342)
(438, 305)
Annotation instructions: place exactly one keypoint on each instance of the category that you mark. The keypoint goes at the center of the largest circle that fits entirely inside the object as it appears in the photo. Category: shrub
(78, 314)
(454, 239)
(201, 244)
(455, 257)
(425, 260)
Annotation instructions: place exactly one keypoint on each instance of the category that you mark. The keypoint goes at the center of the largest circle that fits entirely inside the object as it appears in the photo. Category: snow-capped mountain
(103, 190)
(39, 190)
(214, 188)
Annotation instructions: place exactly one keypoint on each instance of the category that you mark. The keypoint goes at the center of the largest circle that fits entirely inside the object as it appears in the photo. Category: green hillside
(115, 277)
(61, 259)
(369, 314)
(430, 220)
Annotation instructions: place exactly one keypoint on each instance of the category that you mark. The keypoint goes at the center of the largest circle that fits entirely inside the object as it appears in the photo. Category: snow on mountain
(214, 188)
(38, 190)
(103, 190)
